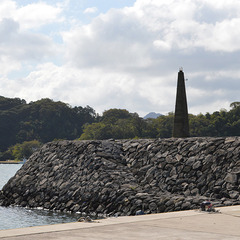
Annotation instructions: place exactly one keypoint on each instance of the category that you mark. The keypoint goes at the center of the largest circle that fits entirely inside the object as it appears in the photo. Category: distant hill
(152, 115)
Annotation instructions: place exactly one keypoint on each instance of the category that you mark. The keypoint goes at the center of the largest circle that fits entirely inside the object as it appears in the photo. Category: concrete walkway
(171, 226)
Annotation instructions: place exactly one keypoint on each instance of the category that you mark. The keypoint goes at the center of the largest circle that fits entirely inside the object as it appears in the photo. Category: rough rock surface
(125, 176)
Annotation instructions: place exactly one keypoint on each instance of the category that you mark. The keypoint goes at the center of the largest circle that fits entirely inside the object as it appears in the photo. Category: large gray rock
(125, 176)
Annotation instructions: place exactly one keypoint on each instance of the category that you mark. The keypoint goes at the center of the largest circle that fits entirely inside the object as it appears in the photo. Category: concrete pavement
(171, 226)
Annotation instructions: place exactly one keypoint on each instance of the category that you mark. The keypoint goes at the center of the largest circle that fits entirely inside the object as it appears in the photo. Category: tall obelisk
(181, 124)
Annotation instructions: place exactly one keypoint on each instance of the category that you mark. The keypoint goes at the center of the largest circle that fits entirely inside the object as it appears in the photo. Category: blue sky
(121, 54)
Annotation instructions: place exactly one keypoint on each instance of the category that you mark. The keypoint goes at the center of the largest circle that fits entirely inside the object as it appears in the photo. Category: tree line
(120, 124)
(41, 121)
(25, 127)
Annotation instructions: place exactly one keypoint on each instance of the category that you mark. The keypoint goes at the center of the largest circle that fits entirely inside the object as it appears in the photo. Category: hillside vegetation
(25, 126)
(43, 121)
(120, 124)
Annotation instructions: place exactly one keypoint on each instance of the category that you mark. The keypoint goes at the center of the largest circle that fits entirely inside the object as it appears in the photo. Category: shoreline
(10, 162)
(192, 224)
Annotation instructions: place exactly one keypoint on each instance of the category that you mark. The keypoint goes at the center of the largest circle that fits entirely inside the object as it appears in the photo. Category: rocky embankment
(124, 176)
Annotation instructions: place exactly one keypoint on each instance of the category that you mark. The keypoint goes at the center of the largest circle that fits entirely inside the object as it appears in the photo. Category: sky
(122, 54)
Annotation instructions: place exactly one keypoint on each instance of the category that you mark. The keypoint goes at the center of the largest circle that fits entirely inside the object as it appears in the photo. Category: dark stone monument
(181, 125)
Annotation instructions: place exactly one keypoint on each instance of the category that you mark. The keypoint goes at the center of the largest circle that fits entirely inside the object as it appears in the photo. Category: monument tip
(181, 124)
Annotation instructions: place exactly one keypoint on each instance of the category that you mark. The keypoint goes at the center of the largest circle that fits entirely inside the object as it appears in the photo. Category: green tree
(160, 127)
(115, 123)
(113, 115)
(43, 120)
(235, 105)
(199, 125)
(24, 150)
(96, 131)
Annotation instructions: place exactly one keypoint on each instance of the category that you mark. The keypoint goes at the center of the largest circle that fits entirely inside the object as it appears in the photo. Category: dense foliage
(23, 124)
(24, 150)
(43, 120)
(117, 123)
(120, 124)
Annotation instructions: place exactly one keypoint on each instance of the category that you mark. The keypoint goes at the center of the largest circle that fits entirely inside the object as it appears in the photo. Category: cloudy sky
(121, 53)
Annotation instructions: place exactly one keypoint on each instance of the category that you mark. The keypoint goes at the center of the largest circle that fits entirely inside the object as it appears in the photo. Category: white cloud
(162, 45)
(17, 43)
(8, 65)
(37, 14)
(33, 15)
(152, 39)
(114, 40)
(126, 58)
(91, 10)
(186, 24)
(77, 87)
(17, 46)
(7, 8)
(136, 37)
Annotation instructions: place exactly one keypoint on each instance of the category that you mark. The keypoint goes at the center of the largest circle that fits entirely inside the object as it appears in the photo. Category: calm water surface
(17, 217)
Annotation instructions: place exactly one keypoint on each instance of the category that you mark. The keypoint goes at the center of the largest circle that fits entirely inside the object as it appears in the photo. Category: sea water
(18, 217)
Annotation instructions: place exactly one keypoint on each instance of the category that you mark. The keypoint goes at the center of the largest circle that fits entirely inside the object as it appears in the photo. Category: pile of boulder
(126, 177)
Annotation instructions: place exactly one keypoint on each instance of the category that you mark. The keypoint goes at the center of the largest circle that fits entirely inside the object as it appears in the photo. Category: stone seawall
(124, 176)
